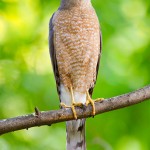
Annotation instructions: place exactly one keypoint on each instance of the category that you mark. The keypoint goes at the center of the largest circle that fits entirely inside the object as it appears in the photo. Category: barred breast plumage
(77, 47)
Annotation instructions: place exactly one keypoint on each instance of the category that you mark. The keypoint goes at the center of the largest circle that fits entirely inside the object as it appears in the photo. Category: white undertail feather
(75, 129)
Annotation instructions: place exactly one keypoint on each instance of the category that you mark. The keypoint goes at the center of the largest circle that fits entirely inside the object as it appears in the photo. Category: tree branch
(50, 117)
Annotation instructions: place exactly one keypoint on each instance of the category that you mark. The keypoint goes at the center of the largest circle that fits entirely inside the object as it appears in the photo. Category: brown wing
(53, 54)
(97, 67)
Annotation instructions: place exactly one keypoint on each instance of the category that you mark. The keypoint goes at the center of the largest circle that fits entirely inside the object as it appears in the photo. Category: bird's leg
(72, 98)
(90, 100)
(73, 104)
(72, 107)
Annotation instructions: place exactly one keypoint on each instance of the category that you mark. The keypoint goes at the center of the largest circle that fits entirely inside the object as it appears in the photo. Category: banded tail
(75, 130)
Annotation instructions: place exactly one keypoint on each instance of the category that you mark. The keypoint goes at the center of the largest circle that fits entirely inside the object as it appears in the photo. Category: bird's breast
(77, 44)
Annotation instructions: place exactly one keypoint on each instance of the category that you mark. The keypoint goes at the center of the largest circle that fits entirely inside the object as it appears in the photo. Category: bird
(75, 51)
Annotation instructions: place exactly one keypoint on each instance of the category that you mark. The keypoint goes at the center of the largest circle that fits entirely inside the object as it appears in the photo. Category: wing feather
(97, 67)
(53, 54)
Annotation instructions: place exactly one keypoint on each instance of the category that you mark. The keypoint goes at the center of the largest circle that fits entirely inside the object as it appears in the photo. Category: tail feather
(76, 135)
(75, 129)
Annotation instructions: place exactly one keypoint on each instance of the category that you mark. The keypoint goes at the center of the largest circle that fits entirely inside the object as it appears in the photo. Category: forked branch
(50, 117)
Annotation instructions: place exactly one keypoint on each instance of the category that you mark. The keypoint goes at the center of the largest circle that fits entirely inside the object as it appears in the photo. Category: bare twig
(55, 116)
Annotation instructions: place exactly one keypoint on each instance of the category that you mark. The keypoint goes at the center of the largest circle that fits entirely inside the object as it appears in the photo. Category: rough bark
(51, 117)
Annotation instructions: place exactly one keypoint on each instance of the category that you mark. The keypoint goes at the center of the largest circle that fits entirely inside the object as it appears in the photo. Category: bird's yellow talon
(73, 105)
(99, 99)
(90, 101)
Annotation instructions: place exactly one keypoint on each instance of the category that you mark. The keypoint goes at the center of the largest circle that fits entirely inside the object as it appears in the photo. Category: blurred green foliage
(26, 77)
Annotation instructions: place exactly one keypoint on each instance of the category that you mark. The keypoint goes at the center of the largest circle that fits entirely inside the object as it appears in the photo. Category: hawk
(75, 49)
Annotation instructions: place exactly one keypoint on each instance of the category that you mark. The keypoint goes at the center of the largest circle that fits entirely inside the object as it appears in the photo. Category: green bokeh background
(26, 77)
